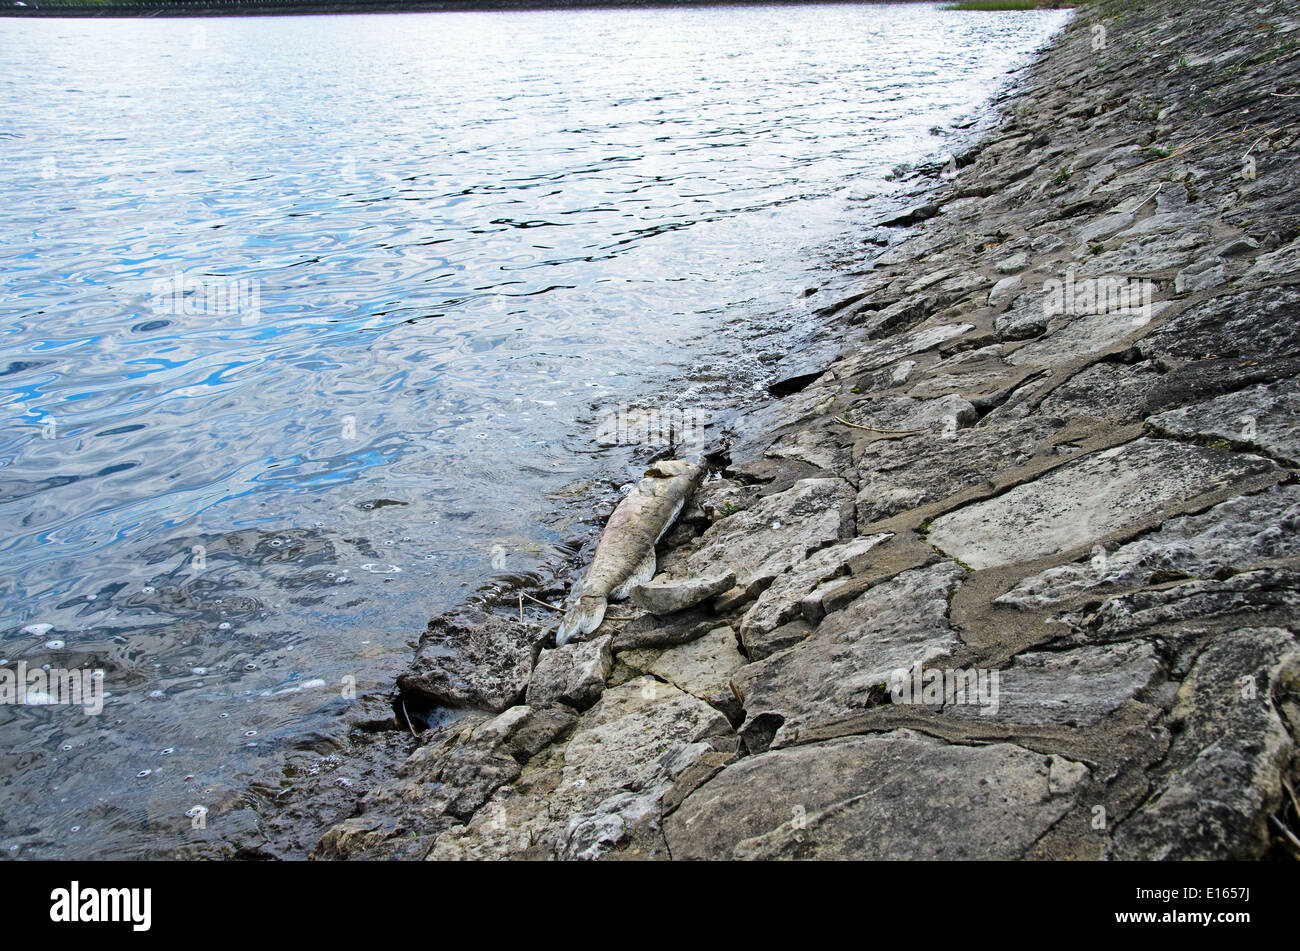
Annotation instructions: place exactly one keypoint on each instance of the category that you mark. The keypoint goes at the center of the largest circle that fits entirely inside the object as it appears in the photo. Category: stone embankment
(1016, 576)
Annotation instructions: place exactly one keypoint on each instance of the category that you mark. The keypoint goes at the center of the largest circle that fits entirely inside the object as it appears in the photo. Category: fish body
(625, 554)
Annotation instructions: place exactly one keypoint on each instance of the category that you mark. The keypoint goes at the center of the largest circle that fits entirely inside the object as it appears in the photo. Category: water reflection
(310, 329)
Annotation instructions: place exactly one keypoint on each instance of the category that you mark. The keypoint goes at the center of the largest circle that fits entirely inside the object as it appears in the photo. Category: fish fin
(681, 503)
(643, 572)
(585, 616)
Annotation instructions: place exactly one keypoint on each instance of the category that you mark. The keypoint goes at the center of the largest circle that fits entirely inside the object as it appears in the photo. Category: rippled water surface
(309, 323)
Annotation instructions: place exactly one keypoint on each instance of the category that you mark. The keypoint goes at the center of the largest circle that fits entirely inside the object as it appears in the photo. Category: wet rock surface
(473, 659)
(1055, 458)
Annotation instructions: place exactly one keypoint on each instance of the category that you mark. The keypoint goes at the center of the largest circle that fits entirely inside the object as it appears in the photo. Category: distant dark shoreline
(210, 8)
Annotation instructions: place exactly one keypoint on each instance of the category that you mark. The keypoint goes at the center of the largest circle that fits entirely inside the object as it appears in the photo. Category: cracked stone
(1075, 337)
(604, 786)
(1235, 534)
(840, 666)
(1249, 594)
(782, 601)
(944, 414)
(1223, 775)
(1085, 500)
(898, 795)
(1075, 687)
(780, 530)
(703, 667)
(573, 674)
(899, 474)
(1004, 290)
(1266, 416)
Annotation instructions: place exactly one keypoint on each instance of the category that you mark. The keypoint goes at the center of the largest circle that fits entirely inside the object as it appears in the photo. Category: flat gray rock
(1146, 253)
(573, 674)
(891, 626)
(1012, 263)
(945, 414)
(1099, 228)
(1004, 290)
(1074, 687)
(1284, 262)
(897, 795)
(1073, 337)
(702, 667)
(860, 358)
(1235, 534)
(780, 530)
(1025, 319)
(1266, 416)
(1108, 391)
(649, 631)
(1085, 500)
(443, 782)
(817, 447)
(1248, 595)
(1220, 344)
(667, 595)
(895, 475)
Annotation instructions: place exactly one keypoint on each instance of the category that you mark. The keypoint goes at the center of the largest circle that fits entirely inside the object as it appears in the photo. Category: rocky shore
(1016, 576)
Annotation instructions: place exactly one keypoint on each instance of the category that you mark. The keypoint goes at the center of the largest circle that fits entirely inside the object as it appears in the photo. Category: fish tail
(585, 616)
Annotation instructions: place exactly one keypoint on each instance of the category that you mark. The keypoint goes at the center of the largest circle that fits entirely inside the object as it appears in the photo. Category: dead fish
(625, 554)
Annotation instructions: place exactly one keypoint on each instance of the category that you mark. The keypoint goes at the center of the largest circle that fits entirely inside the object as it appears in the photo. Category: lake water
(310, 326)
